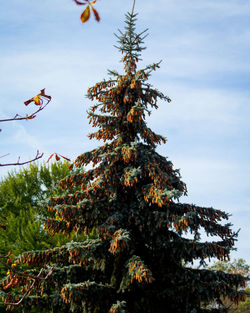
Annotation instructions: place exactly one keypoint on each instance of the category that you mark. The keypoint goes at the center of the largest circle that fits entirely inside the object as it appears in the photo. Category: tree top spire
(131, 42)
(133, 7)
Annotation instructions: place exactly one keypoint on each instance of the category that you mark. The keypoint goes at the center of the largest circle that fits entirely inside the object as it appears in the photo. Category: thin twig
(17, 117)
(2, 156)
(38, 100)
(37, 157)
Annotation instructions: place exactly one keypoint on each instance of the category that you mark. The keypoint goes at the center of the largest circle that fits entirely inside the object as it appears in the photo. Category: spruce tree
(138, 261)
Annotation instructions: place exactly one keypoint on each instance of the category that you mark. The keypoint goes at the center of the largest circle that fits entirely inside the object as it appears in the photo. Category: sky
(204, 47)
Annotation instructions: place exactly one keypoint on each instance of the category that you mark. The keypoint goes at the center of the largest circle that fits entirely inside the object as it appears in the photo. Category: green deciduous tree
(237, 266)
(22, 197)
(244, 306)
(130, 198)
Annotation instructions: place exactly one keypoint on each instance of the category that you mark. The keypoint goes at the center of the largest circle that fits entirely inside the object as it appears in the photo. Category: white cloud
(212, 110)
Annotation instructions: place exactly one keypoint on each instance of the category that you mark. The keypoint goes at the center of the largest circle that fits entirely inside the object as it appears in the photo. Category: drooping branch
(16, 273)
(29, 289)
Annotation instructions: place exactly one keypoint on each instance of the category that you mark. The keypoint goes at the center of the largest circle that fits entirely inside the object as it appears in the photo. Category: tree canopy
(23, 194)
(237, 266)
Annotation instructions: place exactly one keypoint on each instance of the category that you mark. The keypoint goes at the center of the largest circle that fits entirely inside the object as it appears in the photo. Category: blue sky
(205, 47)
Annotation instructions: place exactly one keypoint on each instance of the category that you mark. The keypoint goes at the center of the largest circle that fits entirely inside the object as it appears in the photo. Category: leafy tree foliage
(237, 266)
(130, 198)
(22, 197)
(244, 306)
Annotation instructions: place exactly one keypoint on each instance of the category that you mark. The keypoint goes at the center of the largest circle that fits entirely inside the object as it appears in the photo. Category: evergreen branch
(29, 289)
(19, 274)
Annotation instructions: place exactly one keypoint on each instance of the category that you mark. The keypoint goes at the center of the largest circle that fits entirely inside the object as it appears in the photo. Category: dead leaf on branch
(86, 13)
(38, 99)
(57, 157)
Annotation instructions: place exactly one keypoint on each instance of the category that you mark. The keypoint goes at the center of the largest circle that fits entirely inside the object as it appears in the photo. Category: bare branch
(17, 117)
(41, 100)
(37, 157)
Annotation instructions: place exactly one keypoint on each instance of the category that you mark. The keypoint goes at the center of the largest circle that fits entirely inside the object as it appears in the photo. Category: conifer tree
(137, 262)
